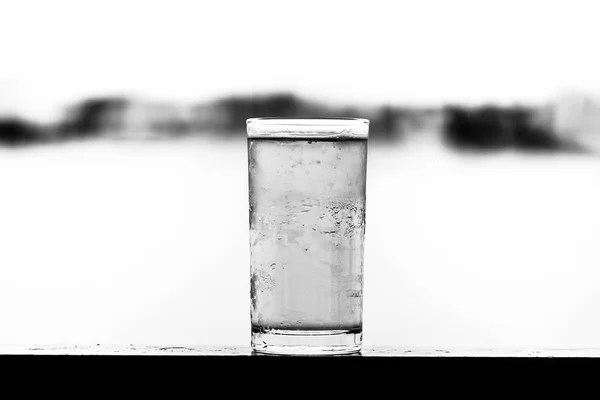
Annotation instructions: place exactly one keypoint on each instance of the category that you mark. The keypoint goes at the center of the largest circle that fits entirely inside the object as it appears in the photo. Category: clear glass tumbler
(307, 184)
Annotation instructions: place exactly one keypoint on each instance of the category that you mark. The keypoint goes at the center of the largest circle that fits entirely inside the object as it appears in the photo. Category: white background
(119, 243)
(431, 51)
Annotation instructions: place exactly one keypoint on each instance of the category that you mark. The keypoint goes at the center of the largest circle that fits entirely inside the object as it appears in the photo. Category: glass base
(303, 342)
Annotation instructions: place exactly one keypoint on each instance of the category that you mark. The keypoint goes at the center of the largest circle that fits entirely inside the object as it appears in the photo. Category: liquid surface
(307, 226)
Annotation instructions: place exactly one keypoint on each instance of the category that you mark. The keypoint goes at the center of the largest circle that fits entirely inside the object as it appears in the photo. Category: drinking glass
(307, 184)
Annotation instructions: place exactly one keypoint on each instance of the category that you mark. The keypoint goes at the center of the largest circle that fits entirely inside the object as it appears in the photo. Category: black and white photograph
(319, 179)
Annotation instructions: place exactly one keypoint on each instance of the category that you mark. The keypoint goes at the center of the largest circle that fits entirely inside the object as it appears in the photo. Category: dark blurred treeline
(488, 128)
(483, 128)
(225, 117)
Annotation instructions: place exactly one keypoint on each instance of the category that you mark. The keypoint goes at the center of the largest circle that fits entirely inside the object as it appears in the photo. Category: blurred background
(123, 165)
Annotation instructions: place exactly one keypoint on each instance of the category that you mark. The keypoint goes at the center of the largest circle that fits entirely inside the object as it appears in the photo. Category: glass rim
(308, 127)
(305, 121)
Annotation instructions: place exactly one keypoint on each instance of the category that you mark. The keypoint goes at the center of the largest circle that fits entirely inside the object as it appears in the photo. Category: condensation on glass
(307, 185)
